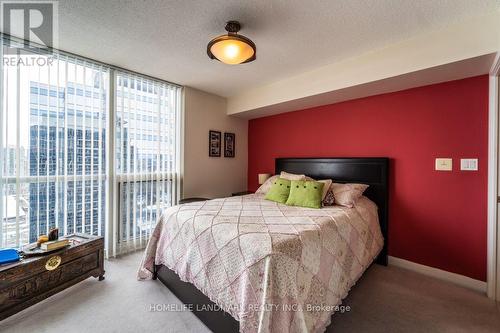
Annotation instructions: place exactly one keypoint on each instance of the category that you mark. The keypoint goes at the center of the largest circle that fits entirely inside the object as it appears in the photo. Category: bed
(247, 264)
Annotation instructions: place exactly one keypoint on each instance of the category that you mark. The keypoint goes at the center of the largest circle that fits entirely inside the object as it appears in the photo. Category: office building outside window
(61, 123)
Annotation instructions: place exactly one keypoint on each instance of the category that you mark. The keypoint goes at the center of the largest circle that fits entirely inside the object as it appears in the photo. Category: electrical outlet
(444, 164)
(469, 164)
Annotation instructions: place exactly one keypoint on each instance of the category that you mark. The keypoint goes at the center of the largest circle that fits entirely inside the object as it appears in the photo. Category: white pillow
(291, 176)
(347, 194)
(264, 188)
(326, 187)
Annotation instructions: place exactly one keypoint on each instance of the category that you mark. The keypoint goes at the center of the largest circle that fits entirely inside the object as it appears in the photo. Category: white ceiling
(167, 39)
(448, 72)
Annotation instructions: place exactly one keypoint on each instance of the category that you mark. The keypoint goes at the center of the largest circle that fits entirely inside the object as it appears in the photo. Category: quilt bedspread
(273, 267)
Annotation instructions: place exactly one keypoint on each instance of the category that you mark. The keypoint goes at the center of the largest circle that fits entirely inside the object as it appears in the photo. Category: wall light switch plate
(469, 164)
(444, 164)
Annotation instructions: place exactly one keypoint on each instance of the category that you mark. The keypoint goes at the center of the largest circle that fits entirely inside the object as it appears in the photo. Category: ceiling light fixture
(232, 49)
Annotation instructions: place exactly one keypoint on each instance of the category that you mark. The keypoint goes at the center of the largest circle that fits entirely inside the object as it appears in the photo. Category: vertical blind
(146, 132)
(57, 142)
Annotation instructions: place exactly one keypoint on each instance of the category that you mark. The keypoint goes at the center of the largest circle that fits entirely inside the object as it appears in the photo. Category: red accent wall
(437, 218)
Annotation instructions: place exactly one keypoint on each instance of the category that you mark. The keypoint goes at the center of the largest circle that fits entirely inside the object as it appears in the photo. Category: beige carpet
(386, 299)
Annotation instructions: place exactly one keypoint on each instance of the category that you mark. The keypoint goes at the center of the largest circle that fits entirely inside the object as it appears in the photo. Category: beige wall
(204, 176)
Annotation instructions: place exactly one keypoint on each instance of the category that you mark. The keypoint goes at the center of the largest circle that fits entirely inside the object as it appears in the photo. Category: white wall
(211, 177)
(466, 39)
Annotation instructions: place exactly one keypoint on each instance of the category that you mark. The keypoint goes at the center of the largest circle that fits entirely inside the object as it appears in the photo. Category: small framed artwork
(229, 144)
(214, 143)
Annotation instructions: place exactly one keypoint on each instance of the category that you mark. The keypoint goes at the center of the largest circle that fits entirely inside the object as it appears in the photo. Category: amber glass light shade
(232, 49)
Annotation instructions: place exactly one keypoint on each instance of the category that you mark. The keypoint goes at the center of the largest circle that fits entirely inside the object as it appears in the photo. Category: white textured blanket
(273, 267)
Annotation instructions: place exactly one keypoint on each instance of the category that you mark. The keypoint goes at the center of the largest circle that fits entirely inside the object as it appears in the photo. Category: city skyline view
(55, 151)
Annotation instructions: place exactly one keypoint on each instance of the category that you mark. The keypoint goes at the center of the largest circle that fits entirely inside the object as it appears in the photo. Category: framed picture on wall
(214, 143)
(229, 144)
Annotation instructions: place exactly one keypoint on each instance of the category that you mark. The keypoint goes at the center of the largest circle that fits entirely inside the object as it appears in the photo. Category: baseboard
(458, 279)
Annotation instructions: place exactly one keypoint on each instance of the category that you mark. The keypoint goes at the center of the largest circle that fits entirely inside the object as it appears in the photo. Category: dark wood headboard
(373, 171)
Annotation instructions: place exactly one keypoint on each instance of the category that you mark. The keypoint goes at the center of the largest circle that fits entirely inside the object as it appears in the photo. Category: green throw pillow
(279, 191)
(305, 193)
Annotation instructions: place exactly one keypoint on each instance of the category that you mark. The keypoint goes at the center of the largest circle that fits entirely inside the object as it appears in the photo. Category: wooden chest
(32, 280)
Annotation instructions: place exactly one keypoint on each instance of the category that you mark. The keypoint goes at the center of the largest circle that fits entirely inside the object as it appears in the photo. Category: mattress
(274, 268)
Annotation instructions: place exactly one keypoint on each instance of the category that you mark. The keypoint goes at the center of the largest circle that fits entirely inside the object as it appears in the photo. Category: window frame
(117, 246)
(110, 176)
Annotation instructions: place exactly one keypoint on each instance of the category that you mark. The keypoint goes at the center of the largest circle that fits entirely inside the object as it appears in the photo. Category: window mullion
(126, 150)
(84, 146)
(2, 164)
(92, 132)
(66, 148)
(57, 153)
(142, 195)
(158, 134)
(18, 150)
(47, 156)
(150, 170)
(75, 140)
(100, 113)
(111, 202)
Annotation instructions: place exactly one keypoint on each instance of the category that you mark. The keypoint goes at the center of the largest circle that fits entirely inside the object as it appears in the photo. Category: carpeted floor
(386, 299)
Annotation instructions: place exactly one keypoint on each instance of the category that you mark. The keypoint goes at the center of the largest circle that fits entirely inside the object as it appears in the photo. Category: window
(58, 150)
(146, 132)
(54, 163)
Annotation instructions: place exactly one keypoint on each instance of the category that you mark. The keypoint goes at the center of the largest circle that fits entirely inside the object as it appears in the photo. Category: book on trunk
(53, 245)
